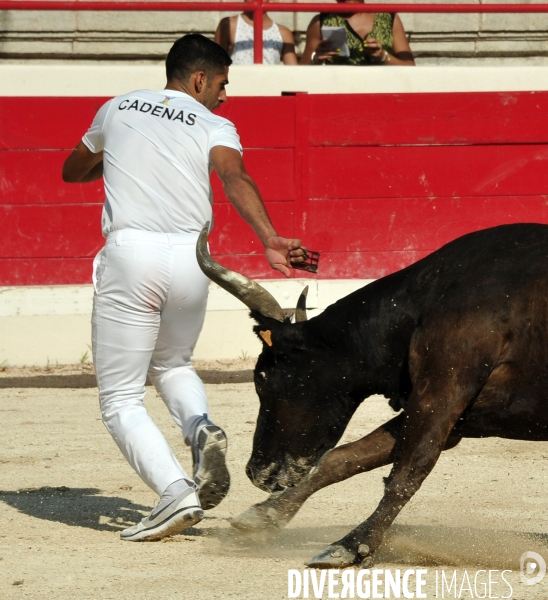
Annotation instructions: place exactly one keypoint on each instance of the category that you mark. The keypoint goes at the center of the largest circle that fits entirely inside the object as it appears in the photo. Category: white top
(242, 53)
(156, 160)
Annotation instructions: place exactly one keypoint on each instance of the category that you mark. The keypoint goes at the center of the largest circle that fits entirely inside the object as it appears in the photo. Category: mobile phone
(337, 36)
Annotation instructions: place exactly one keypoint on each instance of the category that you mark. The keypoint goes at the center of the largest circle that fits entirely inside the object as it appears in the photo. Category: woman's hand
(324, 51)
(375, 50)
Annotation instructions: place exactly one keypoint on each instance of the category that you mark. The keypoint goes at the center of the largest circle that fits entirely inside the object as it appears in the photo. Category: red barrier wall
(374, 181)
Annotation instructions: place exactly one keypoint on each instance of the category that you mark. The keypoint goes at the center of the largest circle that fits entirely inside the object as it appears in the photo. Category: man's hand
(283, 253)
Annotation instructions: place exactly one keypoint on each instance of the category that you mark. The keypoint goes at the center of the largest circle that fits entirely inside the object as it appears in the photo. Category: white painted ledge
(51, 324)
(100, 79)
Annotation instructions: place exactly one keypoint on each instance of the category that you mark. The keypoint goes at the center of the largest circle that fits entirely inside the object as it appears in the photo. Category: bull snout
(274, 477)
(265, 479)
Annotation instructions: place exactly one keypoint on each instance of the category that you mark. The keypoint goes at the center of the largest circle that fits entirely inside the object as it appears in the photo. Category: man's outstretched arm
(242, 191)
(83, 165)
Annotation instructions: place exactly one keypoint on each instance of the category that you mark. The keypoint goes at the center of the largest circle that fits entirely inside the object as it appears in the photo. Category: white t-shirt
(156, 160)
(242, 53)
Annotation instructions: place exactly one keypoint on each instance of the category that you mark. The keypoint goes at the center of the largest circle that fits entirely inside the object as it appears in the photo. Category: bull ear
(279, 337)
(266, 336)
(266, 328)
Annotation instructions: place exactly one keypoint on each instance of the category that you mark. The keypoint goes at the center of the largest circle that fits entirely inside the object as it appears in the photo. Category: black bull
(458, 343)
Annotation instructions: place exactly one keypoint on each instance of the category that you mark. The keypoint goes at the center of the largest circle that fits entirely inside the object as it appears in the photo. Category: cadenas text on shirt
(158, 110)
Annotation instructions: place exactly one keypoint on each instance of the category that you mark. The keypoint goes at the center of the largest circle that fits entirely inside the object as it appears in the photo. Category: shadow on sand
(79, 507)
(432, 545)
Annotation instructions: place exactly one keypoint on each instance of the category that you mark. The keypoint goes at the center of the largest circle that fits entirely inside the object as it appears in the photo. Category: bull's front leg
(373, 451)
(425, 433)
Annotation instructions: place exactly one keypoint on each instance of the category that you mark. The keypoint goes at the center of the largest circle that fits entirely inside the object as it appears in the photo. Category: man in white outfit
(155, 150)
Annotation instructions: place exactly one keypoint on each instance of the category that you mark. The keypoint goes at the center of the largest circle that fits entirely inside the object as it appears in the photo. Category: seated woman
(235, 35)
(372, 38)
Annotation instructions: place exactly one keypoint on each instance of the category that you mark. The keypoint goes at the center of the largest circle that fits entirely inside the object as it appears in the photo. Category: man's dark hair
(192, 53)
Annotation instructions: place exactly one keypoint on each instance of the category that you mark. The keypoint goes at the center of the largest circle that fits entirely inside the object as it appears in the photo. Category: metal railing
(259, 7)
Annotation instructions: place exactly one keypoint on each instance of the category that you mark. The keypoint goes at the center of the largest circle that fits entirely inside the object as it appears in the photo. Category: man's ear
(200, 80)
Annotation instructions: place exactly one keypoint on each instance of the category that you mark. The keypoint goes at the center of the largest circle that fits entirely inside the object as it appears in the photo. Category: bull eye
(261, 376)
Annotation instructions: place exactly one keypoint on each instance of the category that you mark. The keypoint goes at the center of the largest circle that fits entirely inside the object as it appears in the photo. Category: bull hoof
(259, 517)
(333, 557)
(367, 562)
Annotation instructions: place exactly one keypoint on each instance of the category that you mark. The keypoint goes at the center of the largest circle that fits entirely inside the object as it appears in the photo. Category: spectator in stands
(372, 39)
(235, 35)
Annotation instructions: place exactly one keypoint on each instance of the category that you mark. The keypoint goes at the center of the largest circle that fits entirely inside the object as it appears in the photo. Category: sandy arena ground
(66, 492)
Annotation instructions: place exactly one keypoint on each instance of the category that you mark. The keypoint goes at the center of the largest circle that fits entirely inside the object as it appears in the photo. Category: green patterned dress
(382, 32)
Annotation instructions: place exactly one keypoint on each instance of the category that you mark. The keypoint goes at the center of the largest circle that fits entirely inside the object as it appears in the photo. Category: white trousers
(148, 310)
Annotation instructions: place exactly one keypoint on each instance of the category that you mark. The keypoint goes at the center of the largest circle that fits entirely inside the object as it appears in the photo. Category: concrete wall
(435, 38)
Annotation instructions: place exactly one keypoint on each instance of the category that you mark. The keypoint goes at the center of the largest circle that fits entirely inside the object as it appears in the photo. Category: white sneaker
(210, 472)
(180, 514)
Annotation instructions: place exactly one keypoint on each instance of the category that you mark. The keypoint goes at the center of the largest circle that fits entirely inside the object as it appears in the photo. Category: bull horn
(300, 311)
(247, 291)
